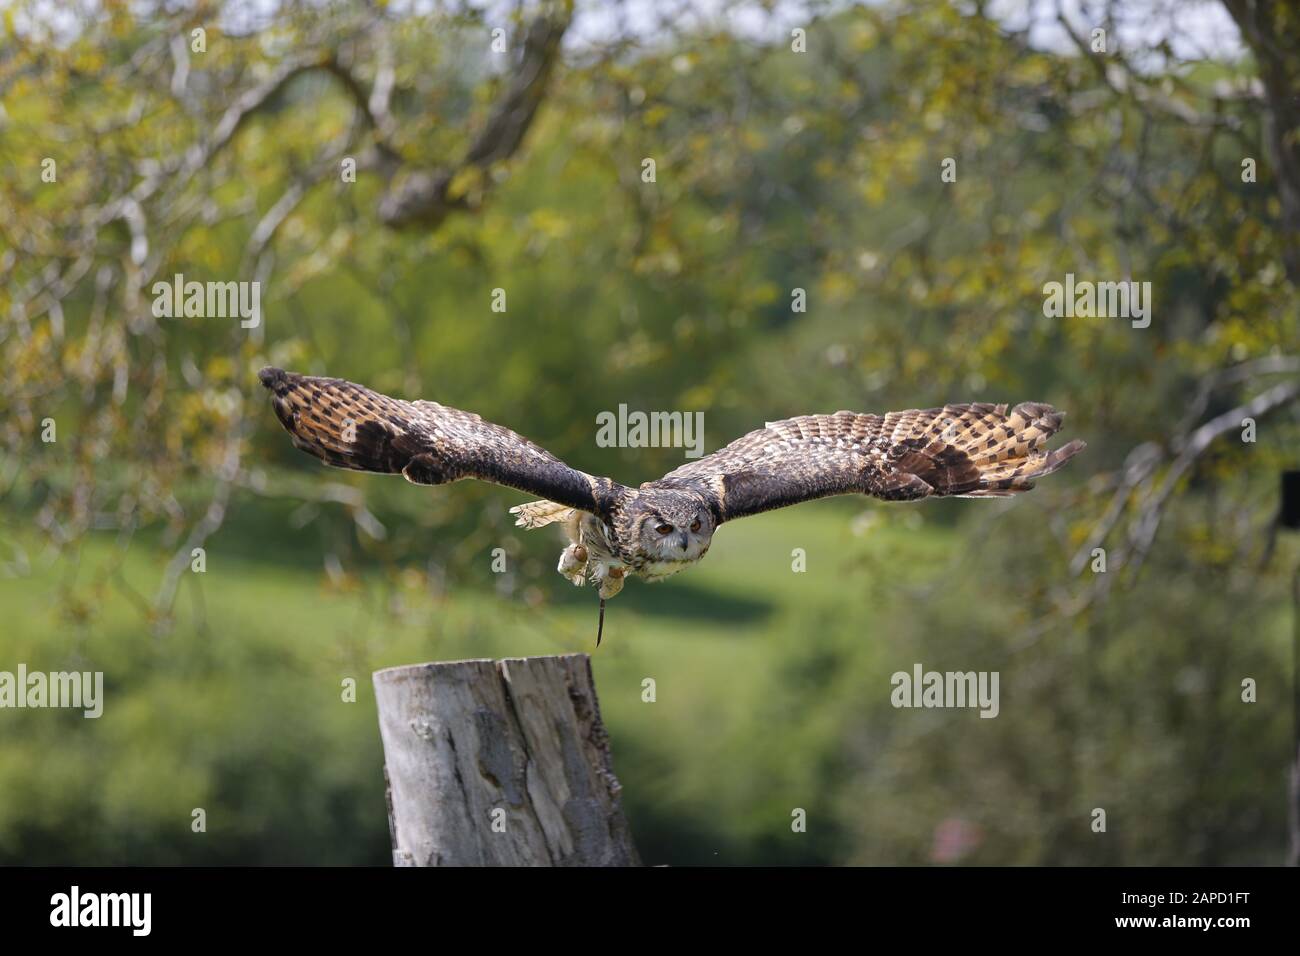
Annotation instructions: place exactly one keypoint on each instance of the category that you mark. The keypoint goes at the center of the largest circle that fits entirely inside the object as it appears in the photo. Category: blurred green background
(776, 168)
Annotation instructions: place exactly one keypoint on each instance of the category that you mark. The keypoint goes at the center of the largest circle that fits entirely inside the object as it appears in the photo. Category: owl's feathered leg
(610, 580)
(573, 564)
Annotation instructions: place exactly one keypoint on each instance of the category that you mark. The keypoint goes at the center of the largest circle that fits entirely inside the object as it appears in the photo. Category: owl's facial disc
(675, 528)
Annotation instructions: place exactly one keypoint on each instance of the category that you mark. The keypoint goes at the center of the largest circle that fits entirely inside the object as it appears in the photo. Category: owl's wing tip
(270, 376)
(1068, 451)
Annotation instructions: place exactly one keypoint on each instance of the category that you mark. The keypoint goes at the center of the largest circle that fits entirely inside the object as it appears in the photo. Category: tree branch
(423, 198)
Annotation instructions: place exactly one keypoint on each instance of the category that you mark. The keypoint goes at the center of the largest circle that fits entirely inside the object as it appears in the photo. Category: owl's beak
(683, 540)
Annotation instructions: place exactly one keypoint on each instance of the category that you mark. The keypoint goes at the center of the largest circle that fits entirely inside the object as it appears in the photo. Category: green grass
(772, 692)
(237, 709)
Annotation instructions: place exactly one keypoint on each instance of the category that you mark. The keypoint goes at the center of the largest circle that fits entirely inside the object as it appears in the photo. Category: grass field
(239, 709)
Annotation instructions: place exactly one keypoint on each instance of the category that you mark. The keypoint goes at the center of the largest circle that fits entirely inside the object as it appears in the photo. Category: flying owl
(977, 450)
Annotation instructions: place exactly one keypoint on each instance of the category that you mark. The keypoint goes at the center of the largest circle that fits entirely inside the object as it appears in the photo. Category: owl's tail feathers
(1007, 450)
(538, 514)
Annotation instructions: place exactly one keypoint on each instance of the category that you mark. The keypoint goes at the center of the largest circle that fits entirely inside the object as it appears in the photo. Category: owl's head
(672, 525)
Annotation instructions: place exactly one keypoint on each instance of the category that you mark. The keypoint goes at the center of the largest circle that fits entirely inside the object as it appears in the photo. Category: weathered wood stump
(501, 763)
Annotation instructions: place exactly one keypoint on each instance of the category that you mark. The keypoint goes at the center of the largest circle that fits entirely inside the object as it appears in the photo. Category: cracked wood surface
(500, 763)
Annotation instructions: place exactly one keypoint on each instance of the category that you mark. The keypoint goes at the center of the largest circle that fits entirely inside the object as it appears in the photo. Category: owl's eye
(695, 525)
(663, 528)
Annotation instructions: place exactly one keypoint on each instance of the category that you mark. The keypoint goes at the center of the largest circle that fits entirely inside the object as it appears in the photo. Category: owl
(976, 450)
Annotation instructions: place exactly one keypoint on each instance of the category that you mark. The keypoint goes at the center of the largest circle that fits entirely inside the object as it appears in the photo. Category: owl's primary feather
(968, 451)
(349, 426)
(972, 451)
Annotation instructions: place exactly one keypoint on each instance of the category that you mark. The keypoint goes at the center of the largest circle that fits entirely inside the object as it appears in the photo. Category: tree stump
(501, 763)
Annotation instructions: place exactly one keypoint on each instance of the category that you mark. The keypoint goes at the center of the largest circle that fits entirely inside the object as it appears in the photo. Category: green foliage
(775, 171)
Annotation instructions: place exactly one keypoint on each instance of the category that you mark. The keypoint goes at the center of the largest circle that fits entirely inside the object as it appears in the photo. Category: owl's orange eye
(695, 526)
(663, 528)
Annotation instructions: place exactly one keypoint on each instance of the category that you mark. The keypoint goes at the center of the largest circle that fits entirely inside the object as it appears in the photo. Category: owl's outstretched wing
(349, 426)
(970, 451)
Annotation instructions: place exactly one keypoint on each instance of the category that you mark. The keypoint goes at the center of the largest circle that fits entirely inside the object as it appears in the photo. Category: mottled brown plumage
(349, 426)
(967, 451)
(971, 451)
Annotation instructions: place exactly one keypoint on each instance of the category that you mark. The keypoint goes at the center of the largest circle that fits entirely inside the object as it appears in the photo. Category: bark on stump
(499, 763)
